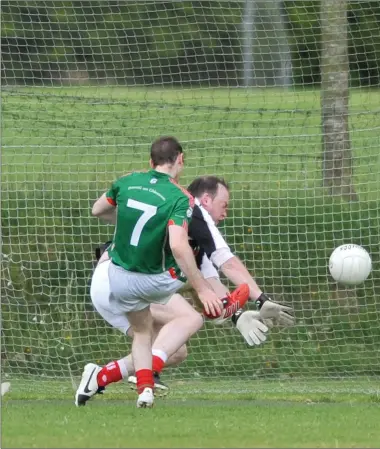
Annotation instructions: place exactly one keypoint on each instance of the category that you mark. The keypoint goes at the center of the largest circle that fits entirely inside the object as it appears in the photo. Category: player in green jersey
(150, 260)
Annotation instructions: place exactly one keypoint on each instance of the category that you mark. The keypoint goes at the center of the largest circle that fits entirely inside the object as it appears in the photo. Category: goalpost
(87, 85)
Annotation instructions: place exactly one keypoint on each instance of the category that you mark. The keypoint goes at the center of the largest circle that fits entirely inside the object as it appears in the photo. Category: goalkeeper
(211, 205)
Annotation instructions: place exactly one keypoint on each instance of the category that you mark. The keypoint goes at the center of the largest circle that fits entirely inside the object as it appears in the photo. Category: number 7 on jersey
(148, 210)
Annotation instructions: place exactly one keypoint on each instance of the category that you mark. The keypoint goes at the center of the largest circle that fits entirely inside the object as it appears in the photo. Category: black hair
(165, 150)
(206, 184)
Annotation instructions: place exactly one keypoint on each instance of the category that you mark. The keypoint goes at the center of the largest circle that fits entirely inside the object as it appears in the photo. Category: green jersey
(147, 203)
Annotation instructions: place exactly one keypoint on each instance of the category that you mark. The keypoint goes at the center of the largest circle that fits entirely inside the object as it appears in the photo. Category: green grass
(93, 134)
(196, 414)
(338, 390)
(181, 425)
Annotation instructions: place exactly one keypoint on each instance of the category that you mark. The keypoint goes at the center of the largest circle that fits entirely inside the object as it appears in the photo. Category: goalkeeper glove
(280, 315)
(251, 328)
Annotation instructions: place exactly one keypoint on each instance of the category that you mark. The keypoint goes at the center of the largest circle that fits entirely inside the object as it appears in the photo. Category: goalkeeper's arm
(237, 273)
(248, 323)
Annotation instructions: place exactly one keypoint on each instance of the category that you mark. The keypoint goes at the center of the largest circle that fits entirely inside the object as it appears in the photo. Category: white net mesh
(87, 85)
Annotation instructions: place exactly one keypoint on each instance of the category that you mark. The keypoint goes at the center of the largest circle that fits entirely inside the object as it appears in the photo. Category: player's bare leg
(118, 370)
(177, 308)
(142, 327)
(162, 314)
(174, 334)
(179, 311)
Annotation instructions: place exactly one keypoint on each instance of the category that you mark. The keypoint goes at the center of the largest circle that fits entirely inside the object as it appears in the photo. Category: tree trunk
(337, 153)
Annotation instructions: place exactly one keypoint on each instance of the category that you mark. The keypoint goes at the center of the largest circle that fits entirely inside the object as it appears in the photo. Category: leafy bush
(142, 43)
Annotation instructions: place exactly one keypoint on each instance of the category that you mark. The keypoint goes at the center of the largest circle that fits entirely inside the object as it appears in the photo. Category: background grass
(63, 146)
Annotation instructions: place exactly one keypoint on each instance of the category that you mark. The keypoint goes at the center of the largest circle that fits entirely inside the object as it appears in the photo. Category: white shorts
(100, 296)
(109, 310)
(136, 291)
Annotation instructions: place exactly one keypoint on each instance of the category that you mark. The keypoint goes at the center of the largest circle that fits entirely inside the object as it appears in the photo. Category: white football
(350, 264)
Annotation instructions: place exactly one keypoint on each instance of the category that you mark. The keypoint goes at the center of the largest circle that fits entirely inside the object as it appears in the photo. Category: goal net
(88, 85)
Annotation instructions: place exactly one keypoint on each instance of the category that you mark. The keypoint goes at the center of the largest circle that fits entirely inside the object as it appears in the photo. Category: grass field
(197, 414)
(77, 134)
(62, 147)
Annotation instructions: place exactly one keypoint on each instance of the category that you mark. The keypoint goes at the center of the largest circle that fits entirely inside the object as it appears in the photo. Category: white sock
(161, 354)
(123, 368)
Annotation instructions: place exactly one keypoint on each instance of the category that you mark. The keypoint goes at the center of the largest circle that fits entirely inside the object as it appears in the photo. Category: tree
(337, 153)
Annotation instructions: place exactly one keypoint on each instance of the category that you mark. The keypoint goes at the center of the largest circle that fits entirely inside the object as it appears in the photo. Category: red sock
(157, 364)
(109, 374)
(144, 379)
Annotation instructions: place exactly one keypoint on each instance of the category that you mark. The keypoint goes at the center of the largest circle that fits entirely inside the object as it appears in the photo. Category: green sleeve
(111, 195)
(182, 213)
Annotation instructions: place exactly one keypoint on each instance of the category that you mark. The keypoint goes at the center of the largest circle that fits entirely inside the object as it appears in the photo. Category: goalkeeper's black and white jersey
(207, 241)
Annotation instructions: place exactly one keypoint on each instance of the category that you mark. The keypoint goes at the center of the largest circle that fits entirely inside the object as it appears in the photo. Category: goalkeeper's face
(217, 206)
